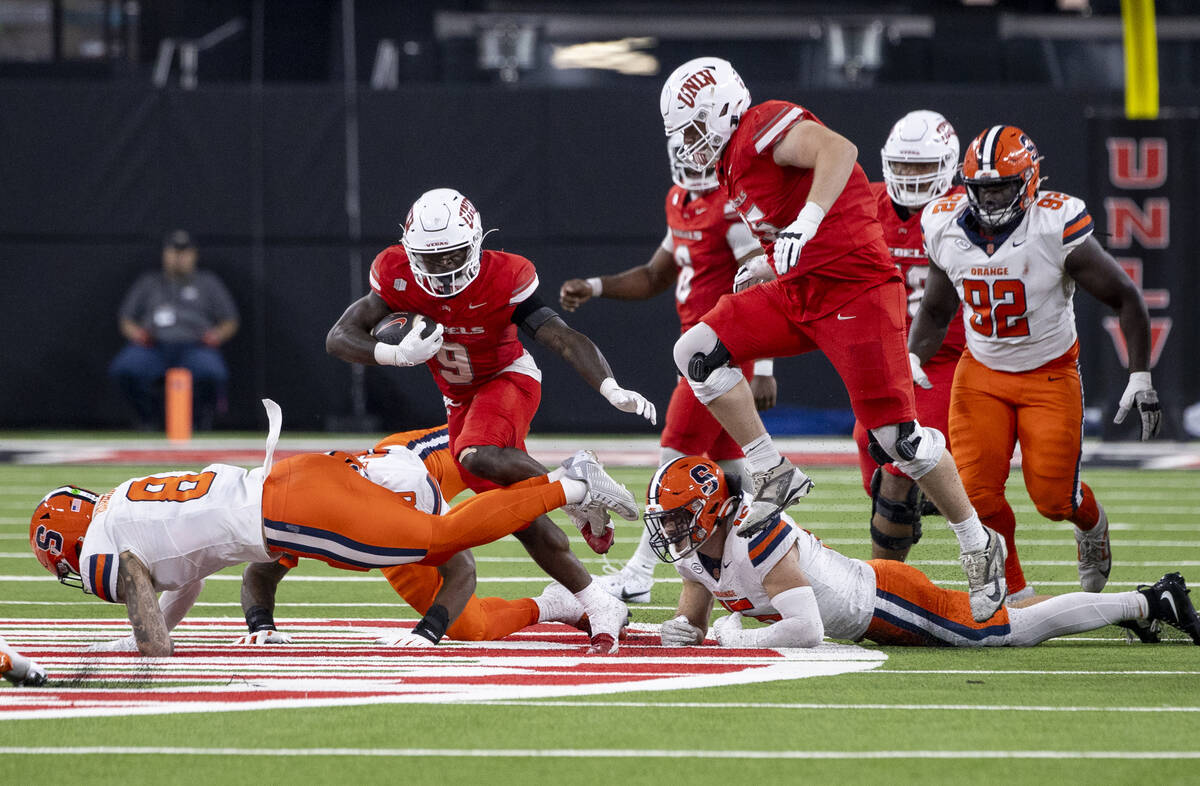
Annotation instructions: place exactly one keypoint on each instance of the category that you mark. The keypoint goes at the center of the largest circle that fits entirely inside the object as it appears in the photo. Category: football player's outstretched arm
(938, 305)
(1098, 273)
(141, 604)
(636, 283)
(350, 337)
(588, 361)
(259, 582)
(793, 597)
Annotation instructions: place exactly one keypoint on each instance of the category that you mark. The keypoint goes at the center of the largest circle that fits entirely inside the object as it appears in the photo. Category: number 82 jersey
(1016, 294)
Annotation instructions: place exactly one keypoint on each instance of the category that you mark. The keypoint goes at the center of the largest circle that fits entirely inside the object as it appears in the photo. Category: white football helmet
(442, 236)
(927, 140)
(696, 181)
(703, 100)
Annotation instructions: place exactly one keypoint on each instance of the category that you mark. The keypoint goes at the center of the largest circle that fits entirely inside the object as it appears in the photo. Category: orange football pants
(320, 506)
(990, 411)
(911, 610)
(482, 619)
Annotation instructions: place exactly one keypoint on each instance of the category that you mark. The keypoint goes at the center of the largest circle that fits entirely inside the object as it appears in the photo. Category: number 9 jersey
(481, 340)
(1016, 294)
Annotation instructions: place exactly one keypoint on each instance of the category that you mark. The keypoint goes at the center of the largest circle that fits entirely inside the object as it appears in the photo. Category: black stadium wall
(573, 179)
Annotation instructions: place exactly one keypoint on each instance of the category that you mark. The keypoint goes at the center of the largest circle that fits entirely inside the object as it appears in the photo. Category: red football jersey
(907, 247)
(705, 237)
(480, 339)
(770, 196)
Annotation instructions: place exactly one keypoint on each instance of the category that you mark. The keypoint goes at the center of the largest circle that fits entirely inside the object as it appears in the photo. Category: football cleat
(1094, 554)
(1146, 630)
(1169, 602)
(606, 621)
(603, 492)
(986, 584)
(774, 490)
(558, 604)
(628, 584)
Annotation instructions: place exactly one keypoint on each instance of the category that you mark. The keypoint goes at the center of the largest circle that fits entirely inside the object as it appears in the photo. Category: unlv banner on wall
(1144, 201)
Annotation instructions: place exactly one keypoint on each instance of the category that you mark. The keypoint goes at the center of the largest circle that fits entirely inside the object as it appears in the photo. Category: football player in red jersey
(704, 246)
(798, 185)
(489, 382)
(920, 158)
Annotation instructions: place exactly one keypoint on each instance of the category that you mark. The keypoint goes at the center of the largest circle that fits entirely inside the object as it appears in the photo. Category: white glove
(412, 349)
(263, 637)
(755, 271)
(729, 633)
(680, 633)
(404, 639)
(628, 400)
(1139, 392)
(918, 374)
(791, 239)
(127, 644)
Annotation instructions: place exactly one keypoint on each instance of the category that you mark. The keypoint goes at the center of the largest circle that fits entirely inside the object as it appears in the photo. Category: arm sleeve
(531, 313)
(668, 242)
(801, 625)
(740, 239)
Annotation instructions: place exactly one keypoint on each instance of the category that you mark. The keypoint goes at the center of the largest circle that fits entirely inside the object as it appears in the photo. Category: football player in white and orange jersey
(490, 384)
(920, 158)
(167, 532)
(785, 576)
(704, 246)
(1014, 255)
(418, 466)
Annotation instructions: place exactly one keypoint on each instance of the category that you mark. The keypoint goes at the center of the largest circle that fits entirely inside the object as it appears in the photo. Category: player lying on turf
(786, 577)
(18, 669)
(167, 532)
(419, 467)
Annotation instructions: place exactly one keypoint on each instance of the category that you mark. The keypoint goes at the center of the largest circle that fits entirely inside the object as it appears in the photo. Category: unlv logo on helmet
(693, 84)
(467, 211)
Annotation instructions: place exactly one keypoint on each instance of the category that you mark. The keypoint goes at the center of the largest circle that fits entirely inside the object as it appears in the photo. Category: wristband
(1142, 378)
(433, 625)
(385, 354)
(764, 368)
(812, 212)
(608, 386)
(258, 618)
(597, 286)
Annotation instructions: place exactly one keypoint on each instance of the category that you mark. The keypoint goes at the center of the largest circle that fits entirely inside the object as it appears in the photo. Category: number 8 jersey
(182, 525)
(1016, 295)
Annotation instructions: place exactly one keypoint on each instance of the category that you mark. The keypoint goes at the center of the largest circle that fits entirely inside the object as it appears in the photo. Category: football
(394, 327)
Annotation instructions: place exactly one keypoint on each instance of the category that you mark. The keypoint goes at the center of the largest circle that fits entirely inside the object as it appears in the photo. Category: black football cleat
(1145, 630)
(1169, 602)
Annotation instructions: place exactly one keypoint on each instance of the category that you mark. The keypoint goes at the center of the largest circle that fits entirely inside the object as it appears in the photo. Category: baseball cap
(178, 238)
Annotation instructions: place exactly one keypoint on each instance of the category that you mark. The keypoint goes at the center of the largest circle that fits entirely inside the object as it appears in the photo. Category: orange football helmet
(686, 500)
(1002, 172)
(57, 528)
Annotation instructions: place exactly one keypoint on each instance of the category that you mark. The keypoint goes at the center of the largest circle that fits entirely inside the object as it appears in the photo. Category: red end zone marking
(210, 674)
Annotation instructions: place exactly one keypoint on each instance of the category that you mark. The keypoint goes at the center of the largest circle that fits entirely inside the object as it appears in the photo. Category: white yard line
(594, 753)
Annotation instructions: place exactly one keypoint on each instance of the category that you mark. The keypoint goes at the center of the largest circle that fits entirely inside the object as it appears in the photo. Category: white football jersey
(183, 526)
(401, 470)
(844, 587)
(1016, 295)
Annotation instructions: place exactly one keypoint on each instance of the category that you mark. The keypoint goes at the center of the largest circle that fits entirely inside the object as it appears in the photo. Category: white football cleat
(606, 619)
(774, 490)
(602, 490)
(986, 584)
(628, 584)
(1094, 552)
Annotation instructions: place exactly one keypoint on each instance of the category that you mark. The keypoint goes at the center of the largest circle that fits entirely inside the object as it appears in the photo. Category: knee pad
(704, 362)
(906, 511)
(913, 448)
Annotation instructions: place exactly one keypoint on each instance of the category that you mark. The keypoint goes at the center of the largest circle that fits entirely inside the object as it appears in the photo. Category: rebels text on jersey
(769, 196)
(480, 338)
(1016, 294)
(907, 249)
(705, 237)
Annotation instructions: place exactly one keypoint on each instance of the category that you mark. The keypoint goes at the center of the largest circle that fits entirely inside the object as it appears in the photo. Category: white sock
(761, 454)
(574, 490)
(1074, 612)
(644, 559)
(591, 596)
(970, 534)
